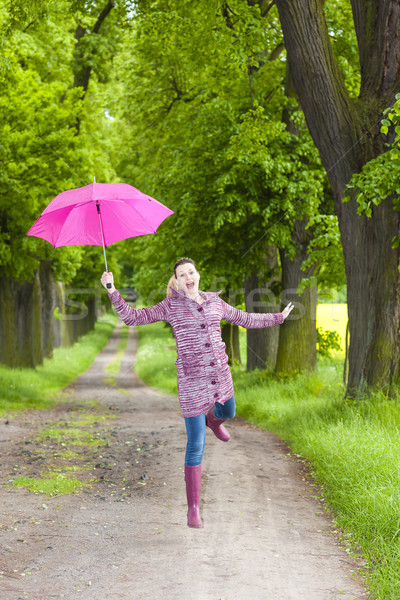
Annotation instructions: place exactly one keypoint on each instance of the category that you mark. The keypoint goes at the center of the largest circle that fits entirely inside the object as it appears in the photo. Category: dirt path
(265, 536)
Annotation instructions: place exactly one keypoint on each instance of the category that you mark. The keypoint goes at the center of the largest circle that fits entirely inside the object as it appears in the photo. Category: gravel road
(266, 534)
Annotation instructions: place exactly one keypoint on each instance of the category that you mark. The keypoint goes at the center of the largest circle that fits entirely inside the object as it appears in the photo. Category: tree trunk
(7, 322)
(262, 344)
(61, 331)
(29, 329)
(20, 323)
(230, 335)
(297, 349)
(47, 308)
(373, 298)
(347, 136)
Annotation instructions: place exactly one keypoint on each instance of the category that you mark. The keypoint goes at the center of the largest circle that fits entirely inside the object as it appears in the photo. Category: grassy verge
(22, 389)
(352, 446)
(155, 359)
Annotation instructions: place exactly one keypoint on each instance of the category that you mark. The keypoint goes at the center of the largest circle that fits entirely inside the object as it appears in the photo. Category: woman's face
(187, 279)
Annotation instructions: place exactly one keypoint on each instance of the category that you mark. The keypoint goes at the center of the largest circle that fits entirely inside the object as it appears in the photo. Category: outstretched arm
(129, 315)
(255, 320)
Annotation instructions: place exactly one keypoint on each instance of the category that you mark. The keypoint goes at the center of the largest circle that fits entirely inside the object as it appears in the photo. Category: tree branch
(276, 52)
(331, 117)
(267, 9)
(109, 6)
(83, 71)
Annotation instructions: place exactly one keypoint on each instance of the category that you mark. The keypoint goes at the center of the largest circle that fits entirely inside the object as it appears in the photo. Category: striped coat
(203, 373)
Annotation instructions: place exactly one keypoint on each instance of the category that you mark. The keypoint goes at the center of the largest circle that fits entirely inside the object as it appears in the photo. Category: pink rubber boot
(216, 426)
(193, 485)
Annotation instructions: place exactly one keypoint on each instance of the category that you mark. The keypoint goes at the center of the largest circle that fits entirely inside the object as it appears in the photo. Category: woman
(205, 387)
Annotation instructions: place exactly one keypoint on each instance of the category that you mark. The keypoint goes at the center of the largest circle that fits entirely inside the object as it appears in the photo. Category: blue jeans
(196, 431)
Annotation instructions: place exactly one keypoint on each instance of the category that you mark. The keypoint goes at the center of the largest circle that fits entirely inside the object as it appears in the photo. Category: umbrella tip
(94, 179)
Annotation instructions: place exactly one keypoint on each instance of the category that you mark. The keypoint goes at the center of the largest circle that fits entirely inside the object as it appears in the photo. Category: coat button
(199, 309)
(202, 326)
(212, 364)
(215, 395)
(213, 382)
(207, 345)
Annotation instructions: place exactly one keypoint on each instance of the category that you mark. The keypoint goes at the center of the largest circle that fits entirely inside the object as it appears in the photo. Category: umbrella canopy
(99, 214)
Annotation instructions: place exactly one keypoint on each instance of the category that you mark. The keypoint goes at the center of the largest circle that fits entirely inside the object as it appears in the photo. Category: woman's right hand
(107, 278)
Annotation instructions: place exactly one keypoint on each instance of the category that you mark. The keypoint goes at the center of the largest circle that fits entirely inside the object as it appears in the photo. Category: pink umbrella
(99, 214)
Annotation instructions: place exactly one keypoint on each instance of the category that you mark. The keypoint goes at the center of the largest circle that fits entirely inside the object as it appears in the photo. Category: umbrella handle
(108, 285)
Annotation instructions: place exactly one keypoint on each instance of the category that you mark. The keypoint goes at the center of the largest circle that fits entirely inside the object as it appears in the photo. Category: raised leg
(217, 415)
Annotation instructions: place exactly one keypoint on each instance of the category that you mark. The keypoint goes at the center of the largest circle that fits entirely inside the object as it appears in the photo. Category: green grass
(354, 452)
(39, 388)
(71, 436)
(77, 431)
(352, 446)
(54, 483)
(155, 359)
(22, 389)
(64, 441)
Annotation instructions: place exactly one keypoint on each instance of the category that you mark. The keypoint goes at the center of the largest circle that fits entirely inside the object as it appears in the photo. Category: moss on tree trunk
(47, 308)
(29, 329)
(262, 344)
(297, 349)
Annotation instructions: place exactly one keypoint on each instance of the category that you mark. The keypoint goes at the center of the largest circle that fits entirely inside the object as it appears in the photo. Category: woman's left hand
(287, 310)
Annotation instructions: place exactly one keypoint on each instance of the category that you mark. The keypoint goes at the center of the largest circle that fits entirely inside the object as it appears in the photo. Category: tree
(41, 155)
(205, 99)
(346, 132)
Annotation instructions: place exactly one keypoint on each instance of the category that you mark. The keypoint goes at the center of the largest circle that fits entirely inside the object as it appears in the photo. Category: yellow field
(333, 317)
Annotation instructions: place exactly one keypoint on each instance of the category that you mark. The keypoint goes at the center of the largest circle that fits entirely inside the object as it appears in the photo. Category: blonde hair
(171, 284)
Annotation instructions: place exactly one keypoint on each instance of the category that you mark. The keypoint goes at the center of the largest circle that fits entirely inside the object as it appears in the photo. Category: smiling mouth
(190, 286)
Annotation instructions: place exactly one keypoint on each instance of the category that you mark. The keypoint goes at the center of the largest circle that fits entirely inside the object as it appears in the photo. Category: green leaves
(327, 341)
(40, 153)
(204, 105)
(380, 177)
(186, 102)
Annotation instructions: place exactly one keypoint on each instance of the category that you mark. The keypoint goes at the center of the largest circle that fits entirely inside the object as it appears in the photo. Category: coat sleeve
(141, 316)
(250, 320)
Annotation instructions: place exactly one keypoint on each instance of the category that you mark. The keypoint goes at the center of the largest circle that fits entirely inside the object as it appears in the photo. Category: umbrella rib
(63, 225)
(136, 211)
(66, 221)
(69, 214)
(71, 206)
